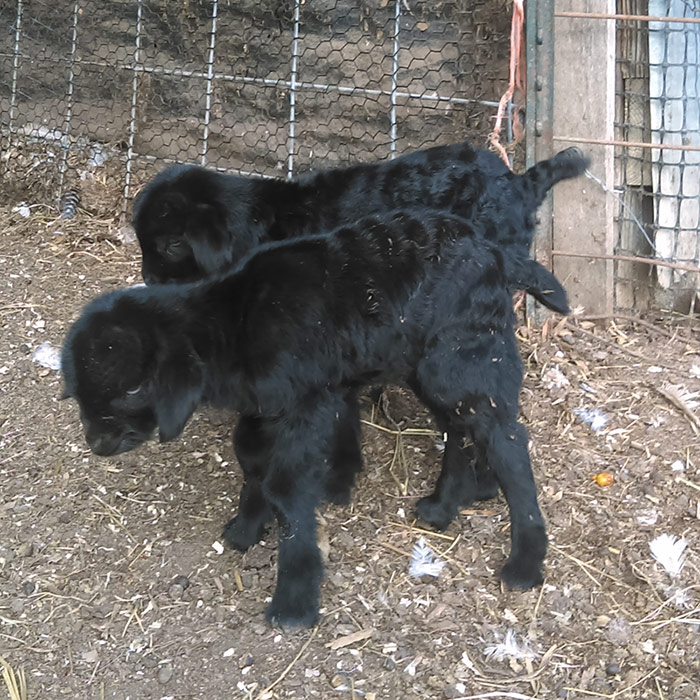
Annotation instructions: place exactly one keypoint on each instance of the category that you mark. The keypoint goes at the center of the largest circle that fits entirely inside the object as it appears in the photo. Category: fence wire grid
(658, 104)
(267, 89)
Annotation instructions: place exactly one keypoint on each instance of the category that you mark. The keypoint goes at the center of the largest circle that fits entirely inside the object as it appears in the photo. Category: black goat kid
(192, 222)
(287, 336)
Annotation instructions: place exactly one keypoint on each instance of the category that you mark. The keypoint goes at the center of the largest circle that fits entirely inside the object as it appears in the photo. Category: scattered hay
(16, 683)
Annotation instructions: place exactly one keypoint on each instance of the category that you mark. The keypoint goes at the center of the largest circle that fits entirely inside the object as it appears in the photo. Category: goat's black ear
(179, 383)
(209, 238)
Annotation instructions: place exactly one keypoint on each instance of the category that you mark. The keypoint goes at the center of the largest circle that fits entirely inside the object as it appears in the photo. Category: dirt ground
(113, 584)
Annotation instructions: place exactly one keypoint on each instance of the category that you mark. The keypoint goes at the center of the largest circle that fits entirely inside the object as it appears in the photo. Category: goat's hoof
(241, 534)
(434, 513)
(522, 574)
(281, 613)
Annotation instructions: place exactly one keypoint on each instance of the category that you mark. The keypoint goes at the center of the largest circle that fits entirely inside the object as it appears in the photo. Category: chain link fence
(118, 89)
(658, 174)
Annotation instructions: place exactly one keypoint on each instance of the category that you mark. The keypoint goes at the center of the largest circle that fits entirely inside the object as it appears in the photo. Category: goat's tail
(538, 281)
(542, 176)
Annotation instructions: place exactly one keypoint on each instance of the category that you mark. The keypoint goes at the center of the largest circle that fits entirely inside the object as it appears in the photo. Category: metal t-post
(539, 39)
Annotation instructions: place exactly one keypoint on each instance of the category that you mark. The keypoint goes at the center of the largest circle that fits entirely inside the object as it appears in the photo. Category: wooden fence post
(584, 106)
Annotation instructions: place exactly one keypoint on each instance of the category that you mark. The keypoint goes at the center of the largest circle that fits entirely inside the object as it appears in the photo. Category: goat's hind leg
(502, 459)
(465, 475)
(251, 440)
(475, 377)
(456, 485)
(506, 443)
(346, 458)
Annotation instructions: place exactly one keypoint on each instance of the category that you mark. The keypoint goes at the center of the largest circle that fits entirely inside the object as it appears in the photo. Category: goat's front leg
(252, 442)
(294, 486)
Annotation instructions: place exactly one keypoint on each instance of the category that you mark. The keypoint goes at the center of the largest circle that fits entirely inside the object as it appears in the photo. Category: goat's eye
(175, 249)
(133, 392)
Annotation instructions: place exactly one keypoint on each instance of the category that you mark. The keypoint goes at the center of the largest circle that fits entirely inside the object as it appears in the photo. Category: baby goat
(418, 298)
(192, 222)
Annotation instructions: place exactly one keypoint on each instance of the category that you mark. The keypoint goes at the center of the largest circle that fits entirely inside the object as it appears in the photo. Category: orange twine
(515, 79)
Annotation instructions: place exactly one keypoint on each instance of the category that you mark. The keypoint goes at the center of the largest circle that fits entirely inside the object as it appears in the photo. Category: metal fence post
(134, 104)
(15, 72)
(292, 91)
(209, 82)
(539, 39)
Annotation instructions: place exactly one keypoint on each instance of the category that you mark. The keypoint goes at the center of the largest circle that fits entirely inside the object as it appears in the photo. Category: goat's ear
(179, 384)
(209, 238)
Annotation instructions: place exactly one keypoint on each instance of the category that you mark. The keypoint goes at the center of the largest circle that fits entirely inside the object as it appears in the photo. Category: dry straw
(16, 683)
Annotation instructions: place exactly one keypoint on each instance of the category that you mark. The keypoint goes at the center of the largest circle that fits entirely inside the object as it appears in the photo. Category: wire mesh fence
(269, 89)
(658, 175)
(116, 90)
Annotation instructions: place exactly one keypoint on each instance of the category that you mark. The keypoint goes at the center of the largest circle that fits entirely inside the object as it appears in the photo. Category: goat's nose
(103, 445)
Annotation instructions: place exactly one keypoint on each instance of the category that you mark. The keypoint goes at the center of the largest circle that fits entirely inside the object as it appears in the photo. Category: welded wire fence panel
(658, 104)
(271, 89)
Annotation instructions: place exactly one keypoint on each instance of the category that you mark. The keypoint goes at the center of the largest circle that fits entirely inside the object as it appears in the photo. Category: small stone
(337, 579)
(29, 587)
(181, 581)
(6, 556)
(149, 661)
(64, 517)
(258, 629)
(602, 620)
(619, 631)
(17, 606)
(175, 591)
(613, 668)
(165, 674)
(337, 681)
(26, 549)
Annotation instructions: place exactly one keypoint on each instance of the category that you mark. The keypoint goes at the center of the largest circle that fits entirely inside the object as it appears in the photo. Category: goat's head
(131, 371)
(181, 226)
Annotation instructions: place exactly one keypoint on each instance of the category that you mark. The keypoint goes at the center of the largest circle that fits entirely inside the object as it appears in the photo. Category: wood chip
(349, 639)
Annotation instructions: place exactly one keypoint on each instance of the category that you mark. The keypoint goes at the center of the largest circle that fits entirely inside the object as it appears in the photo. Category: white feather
(509, 648)
(669, 551)
(424, 562)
